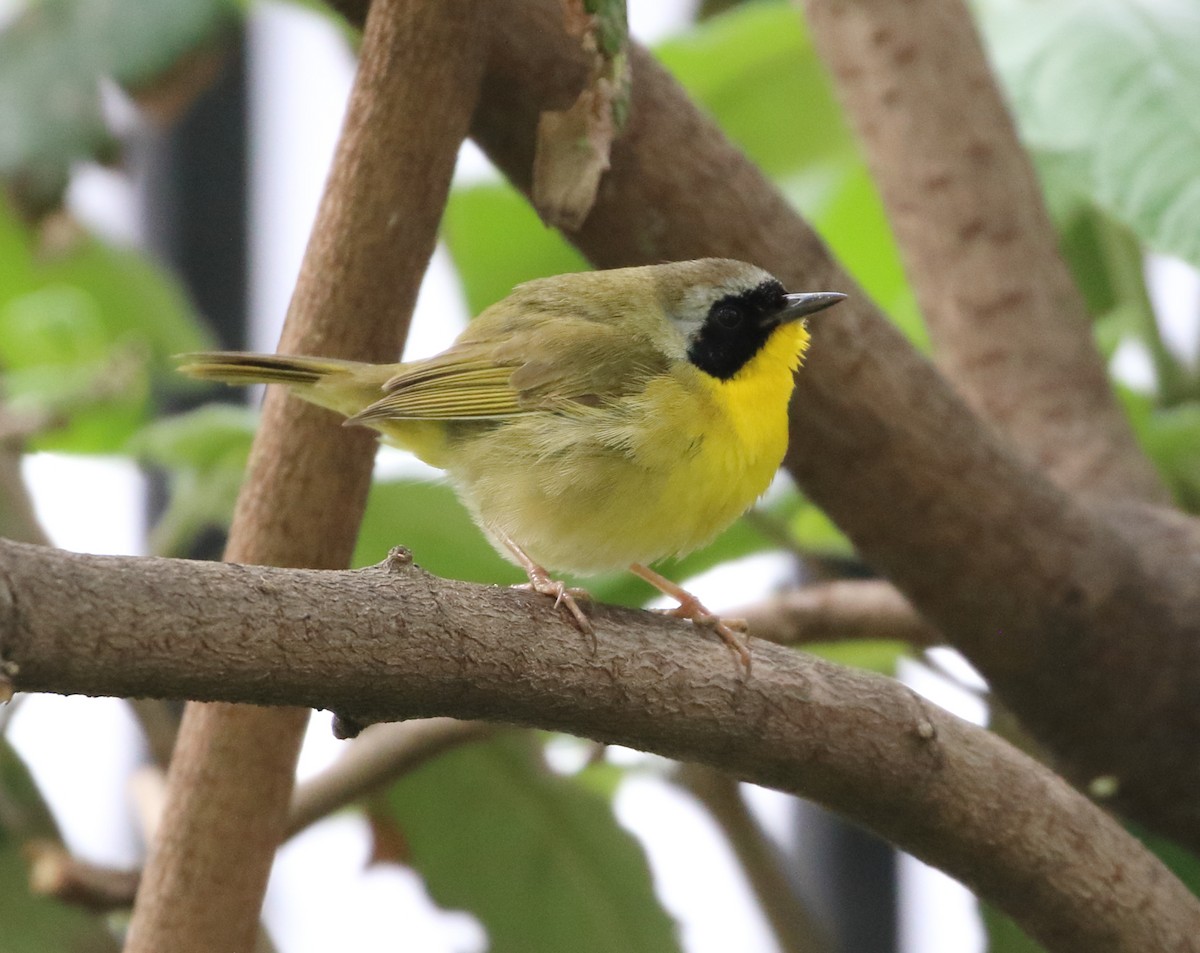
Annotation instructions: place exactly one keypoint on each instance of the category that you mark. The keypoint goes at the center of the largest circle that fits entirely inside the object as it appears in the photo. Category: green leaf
(85, 332)
(1111, 88)
(1171, 436)
(204, 453)
(23, 813)
(539, 859)
(211, 437)
(1179, 860)
(873, 655)
(843, 205)
(52, 57)
(34, 924)
(1003, 935)
(815, 532)
(749, 68)
(427, 518)
(497, 241)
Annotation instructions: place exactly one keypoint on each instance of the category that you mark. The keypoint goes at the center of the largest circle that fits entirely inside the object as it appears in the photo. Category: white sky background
(82, 750)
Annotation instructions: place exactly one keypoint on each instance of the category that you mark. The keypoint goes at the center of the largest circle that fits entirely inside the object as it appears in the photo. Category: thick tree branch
(232, 773)
(392, 642)
(1030, 583)
(1009, 324)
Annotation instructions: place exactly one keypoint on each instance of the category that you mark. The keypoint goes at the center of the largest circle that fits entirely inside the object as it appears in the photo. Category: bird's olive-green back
(546, 346)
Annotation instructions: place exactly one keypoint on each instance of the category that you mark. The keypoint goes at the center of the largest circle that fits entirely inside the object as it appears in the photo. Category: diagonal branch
(392, 642)
(231, 776)
(1009, 324)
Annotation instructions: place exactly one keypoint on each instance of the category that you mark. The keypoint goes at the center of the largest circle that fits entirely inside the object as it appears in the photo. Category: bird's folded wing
(547, 368)
(447, 389)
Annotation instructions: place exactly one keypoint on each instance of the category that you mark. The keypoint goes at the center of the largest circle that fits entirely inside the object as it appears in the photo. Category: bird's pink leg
(693, 609)
(541, 582)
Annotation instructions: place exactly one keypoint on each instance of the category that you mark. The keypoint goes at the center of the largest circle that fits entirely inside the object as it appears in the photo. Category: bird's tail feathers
(241, 367)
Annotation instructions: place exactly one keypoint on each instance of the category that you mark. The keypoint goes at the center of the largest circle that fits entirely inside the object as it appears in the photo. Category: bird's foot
(733, 632)
(564, 596)
(540, 582)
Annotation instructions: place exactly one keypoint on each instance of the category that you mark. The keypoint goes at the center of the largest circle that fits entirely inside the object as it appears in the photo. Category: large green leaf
(1170, 436)
(52, 58)
(1179, 860)
(755, 70)
(1005, 937)
(1112, 89)
(85, 331)
(497, 241)
(537, 857)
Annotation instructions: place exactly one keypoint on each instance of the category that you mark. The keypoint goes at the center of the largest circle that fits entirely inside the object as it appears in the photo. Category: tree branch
(392, 642)
(1010, 326)
(231, 776)
(55, 872)
(17, 517)
(795, 929)
(838, 610)
(379, 755)
(1026, 580)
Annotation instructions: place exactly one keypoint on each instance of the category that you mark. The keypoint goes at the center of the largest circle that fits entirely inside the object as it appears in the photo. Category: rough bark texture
(1069, 609)
(232, 773)
(393, 642)
(1010, 327)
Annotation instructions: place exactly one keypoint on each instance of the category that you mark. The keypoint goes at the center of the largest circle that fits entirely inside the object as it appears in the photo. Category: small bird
(591, 421)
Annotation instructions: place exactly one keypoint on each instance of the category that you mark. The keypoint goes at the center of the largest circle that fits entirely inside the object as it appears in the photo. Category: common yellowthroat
(589, 421)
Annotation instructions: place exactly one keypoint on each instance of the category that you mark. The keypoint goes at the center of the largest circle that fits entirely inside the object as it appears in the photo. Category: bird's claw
(733, 632)
(565, 597)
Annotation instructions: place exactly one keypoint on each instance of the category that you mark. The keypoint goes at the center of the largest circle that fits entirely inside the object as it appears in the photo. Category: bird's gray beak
(802, 305)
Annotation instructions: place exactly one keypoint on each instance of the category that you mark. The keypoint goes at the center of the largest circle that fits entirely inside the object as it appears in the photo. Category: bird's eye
(727, 316)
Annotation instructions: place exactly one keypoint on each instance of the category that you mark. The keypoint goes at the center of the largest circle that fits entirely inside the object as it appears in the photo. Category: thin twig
(836, 611)
(379, 755)
(55, 872)
(794, 927)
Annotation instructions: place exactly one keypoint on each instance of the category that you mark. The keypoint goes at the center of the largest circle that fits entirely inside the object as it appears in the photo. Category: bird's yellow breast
(653, 475)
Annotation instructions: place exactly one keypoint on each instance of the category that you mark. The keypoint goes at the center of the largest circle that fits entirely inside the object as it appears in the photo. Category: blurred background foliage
(1106, 95)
